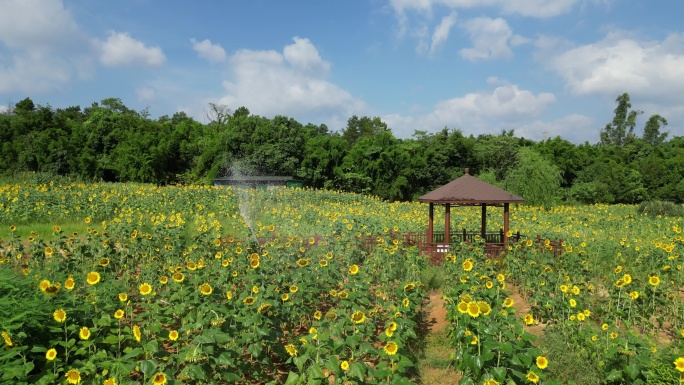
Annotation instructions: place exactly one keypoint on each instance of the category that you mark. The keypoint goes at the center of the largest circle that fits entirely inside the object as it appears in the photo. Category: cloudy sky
(541, 67)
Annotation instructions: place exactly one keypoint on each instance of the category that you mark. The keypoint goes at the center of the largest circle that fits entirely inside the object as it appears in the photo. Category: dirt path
(435, 366)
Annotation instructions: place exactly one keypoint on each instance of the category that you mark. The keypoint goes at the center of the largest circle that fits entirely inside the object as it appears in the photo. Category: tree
(358, 128)
(621, 129)
(652, 134)
(534, 178)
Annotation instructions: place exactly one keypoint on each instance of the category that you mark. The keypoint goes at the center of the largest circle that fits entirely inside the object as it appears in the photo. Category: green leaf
(499, 373)
(292, 379)
(299, 361)
(255, 349)
(148, 367)
(614, 375)
(315, 372)
(197, 372)
(632, 371)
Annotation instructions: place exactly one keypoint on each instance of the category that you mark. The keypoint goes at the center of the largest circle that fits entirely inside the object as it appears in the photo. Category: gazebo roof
(470, 190)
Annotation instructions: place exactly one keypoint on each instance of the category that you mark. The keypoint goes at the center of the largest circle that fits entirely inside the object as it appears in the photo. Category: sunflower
(123, 297)
(302, 262)
(119, 314)
(84, 333)
(59, 315)
(93, 278)
(485, 309)
(344, 365)
(323, 262)
(285, 297)
(576, 289)
(679, 364)
(634, 295)
(467, 265)
(532, 377)
(291, 350)
(358, 317)
(255, 289)
(136, 333)
(104, 262)
(159, 379)
(654, 280)
(173, 335)
(409, 287)
(573, 303)
(473, 309)
(73, 376)
(229, 294)
(164, 280)
(542, 362)
(69, 284)
(263, 308)
(145, 288)
(225, 263)
(405, 302)
(51, 354)
(109, 381)
(508, 302)
(613, 335)
(343, 294)
(53, 289)
(8, 339)
(627, 279)
(293, 289)
(191, 265)
(391, 348)
(248, 300)
(205, 289)
(491, 381)
(389, 332)
(529, 319)
(254, 263)
(178, 277)
(49, 251)
(353, 269)
(317, 316)
(462, 307)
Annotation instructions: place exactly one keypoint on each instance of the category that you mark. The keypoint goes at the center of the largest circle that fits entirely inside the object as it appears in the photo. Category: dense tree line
(109, 142)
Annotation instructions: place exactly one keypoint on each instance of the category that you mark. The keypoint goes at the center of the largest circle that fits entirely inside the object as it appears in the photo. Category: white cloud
(441, 33)
(531, 8)
(38, 24)
(214, 53)
(121, 49)
(491, 39)
(291, 83)
(476, 113)
(652, 69)
(145, 94)
(574, 128)
(44, 47)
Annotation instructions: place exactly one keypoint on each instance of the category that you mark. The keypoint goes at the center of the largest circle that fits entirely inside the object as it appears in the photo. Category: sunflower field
(138, 284)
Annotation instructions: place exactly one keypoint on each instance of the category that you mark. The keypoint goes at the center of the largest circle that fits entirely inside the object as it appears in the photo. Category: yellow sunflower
(248, 300)
(51, 354)
(69, 284)
(159, 379)
(59, 315)
(8, 339)
(654, 280)
(529, 319)
(291, 350)
(294, 289)
(467, 265)
(84, 333)
(354, 269)
(145, 288)
(109, 381)
(136, 333)
(358, 317)
(178, 277)
(679, 364)
(73, 376)
(205, 289)
(119, 314)
(508, 302)
(532, 377)
(93, 278)
(254, 263)
(173, 335)
(473, 309)
(344, 365)
(542, 362)
(391, 348)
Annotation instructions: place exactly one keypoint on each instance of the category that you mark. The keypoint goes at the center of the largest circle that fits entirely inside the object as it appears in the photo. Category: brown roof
(469, 190)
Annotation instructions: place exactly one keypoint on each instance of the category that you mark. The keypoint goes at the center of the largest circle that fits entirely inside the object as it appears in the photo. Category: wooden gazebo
(466, 191)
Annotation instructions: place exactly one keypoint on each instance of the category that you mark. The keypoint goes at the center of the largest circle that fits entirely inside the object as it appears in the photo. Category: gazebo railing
(463, 235)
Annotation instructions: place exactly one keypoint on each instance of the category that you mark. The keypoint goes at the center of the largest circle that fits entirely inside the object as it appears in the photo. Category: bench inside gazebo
(465, 191)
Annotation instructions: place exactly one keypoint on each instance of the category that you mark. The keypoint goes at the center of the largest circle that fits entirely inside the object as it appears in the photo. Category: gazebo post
(505, 218)
(431, 214)
(447, 223)
(483, 230)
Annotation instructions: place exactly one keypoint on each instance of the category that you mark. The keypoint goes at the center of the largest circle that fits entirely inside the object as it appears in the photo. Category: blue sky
(541, 67)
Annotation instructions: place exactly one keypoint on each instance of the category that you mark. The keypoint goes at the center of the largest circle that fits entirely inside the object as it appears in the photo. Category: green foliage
(660, 208)
(108, 141)
(534, 178)
(572, 361)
